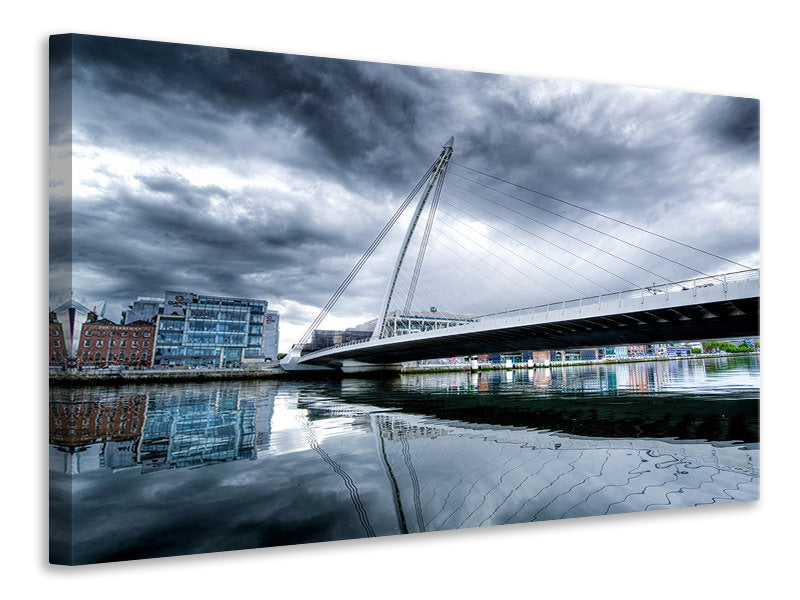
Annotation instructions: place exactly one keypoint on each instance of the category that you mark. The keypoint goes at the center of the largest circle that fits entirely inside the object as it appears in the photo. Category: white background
(730, 48)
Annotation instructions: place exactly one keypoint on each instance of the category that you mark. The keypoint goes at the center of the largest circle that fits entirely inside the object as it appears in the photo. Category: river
(157, 470)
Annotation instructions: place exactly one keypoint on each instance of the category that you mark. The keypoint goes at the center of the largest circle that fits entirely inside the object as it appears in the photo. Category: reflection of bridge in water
(540, 475)
(698, 306)
(446, 474)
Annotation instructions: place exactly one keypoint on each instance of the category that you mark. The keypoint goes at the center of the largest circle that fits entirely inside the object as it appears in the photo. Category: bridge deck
(719, 307)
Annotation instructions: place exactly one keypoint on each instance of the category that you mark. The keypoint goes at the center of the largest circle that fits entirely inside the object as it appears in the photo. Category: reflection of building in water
(197, 429)
(540, 377)
(265, 407)
(174, 431)
(95, 433)
(633, 377)
(74, 424)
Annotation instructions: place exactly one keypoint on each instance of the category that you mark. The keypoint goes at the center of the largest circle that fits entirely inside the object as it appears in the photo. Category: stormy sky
(266, 176)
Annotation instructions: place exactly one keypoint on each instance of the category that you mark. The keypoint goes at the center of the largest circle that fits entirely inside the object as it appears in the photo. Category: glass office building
(196, 330)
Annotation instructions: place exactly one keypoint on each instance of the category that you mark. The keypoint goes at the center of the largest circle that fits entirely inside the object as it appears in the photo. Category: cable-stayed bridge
(700, 305)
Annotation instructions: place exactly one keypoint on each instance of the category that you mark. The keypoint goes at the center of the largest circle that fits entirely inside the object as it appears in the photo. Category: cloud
(267, 175)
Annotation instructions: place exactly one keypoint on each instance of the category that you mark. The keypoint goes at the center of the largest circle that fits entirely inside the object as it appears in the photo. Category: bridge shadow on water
(579, 401)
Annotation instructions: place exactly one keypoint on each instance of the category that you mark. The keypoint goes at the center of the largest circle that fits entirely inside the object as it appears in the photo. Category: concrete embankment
(111, 377)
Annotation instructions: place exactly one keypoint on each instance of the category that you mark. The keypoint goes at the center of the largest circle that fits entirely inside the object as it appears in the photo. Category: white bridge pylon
(436, 180)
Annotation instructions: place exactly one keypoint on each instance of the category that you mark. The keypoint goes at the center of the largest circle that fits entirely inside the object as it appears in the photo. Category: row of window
(170, 325)
(134, 356)
(112, 343)
(220, 339)
(199, 325)
(101, 333)
(196, 351)
(229, 314)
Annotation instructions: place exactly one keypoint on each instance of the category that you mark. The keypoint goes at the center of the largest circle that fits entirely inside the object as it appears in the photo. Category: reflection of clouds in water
(286, 499)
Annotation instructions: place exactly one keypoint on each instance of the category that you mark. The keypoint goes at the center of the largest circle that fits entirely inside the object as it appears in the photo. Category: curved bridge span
(710, 308)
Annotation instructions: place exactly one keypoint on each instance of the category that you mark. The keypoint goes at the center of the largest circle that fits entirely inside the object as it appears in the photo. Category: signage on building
(177, 302)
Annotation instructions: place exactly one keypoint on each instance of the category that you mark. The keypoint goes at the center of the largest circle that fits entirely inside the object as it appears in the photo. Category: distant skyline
(265, 175)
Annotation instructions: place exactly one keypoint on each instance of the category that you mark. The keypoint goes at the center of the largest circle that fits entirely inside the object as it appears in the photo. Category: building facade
(143, 309)
(58, 351)
(197, 330)
(104, 343)
(71, 315)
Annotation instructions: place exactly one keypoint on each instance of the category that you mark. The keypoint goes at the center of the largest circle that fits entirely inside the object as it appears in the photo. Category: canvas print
(298, 299)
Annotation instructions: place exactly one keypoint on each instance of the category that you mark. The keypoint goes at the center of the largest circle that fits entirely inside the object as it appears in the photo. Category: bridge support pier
(352, 367)
(290, 362)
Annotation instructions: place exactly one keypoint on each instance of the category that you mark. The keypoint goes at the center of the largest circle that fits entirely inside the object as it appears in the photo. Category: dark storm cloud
(344, 110)
(266, 175)
(735, 122)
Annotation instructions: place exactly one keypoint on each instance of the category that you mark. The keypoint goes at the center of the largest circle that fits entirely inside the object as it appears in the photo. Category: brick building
(103, 343)
(58, 350)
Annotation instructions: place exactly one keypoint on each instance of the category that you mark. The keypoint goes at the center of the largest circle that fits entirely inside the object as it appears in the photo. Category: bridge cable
(607, 217)
(545, 255)
(504, 261)
(692, 269)
(582, 294)
(375, 243)
(604, 251)
(434, 298)
(534, 265)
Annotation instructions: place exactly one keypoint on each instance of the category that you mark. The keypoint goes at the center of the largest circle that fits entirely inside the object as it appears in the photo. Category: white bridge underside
(714, 308)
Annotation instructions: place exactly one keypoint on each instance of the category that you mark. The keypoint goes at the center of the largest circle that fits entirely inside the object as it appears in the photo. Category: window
(99, 343)
(122, 343)
(146, 344)
(135, 334)
(84, 357)
(53, 332)
(146, 334)
(134, 344)
(111, 342)
(88, 332)
(86, 343)
(57, 343)
(124, 334)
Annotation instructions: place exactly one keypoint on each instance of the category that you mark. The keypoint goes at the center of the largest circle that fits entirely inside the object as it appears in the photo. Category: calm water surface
(160, 470)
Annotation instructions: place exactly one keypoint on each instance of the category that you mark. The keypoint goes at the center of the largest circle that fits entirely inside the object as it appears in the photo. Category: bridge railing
(588, 303)
(619, 298)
